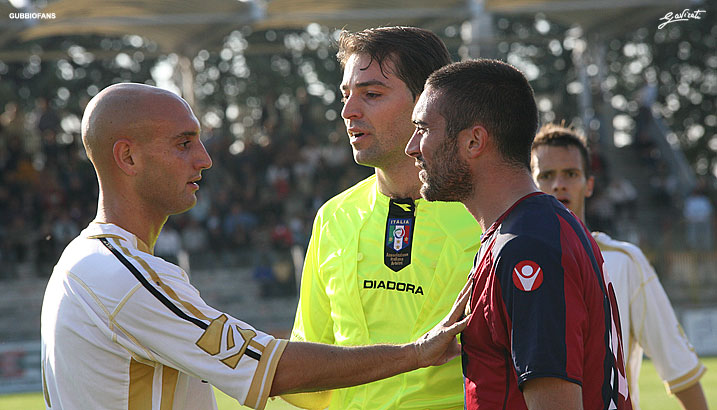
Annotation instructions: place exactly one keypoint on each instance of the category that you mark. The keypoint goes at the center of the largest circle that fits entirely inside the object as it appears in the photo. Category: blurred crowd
(672, 219)
(256, 204)
(47, 189)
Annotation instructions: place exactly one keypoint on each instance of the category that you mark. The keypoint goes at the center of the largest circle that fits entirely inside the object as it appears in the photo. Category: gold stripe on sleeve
(169, 384)
(688, 380)
(156, 279)
(257, 346)
(264, 374)
(140, 385)
(45, 390)
(281, 345)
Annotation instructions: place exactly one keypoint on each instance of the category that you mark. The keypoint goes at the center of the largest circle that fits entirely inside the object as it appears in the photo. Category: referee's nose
(351, 109)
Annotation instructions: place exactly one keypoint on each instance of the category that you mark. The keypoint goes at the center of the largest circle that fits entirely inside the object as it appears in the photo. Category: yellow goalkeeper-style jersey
(386, 271)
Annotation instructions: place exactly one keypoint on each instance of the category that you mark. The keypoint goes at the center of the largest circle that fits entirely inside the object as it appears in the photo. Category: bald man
(123, 329)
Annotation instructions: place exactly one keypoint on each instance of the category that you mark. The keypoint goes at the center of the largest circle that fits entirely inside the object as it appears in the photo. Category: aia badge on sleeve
(527, 276)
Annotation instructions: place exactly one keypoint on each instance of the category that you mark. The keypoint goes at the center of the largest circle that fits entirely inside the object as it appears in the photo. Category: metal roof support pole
(580, 56)
(477, 33)
(186, 79)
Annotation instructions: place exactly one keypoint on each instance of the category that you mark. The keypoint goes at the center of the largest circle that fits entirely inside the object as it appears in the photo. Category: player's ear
(589, 186)
(122, 151)
(476, 140)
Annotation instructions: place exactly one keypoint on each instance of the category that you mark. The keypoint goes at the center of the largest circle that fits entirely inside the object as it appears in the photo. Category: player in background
(383, 265)
(561, 167)
(123, 329)
(543, 332)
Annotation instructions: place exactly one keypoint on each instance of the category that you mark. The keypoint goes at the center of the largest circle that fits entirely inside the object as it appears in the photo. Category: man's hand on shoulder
(439, 345)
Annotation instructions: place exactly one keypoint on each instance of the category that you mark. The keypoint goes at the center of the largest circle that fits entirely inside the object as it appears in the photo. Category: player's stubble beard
(449, 177)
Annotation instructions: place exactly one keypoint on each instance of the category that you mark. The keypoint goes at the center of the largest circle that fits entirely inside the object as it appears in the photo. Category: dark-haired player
(544, 327)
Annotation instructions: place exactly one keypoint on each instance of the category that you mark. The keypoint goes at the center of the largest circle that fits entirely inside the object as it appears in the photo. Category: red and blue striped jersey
(541, 307)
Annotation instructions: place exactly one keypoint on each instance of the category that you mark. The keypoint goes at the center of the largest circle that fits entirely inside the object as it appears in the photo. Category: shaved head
(127, 110)
(145, 145)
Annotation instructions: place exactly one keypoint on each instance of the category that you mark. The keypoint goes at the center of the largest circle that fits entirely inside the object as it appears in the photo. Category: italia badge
(399, 233)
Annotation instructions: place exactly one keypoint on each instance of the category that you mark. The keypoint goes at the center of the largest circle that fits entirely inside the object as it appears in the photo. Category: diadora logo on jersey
(392, 285)
(211, 341)
(527, 276)
(405, 207)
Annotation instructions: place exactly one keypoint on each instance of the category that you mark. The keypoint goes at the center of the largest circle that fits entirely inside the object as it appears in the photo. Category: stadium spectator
(194, 238)
(169, 244)
(624, 196)
(47, 117)
(698, 211)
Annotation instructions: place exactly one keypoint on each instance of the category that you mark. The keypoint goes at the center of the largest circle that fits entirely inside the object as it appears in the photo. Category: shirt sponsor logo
(392, 285)
(527, 276)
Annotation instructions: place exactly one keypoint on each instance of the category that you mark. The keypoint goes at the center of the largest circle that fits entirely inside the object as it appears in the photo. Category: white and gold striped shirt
(123, 329)
(648, 322)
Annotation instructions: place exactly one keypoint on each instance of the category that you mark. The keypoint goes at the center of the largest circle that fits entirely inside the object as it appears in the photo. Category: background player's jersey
(648, 323)
(351, 294)
(541, 307)
(123, 329)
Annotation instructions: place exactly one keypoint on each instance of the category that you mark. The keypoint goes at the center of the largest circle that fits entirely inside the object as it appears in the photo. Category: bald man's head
(127, 110)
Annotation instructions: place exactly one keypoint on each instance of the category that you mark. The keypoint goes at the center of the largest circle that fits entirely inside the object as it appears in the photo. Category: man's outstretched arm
(312, 366)
(550, 393)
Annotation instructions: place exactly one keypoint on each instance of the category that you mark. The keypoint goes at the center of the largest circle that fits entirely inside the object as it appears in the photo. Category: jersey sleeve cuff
(686, 381)
(264, 376)
(535, 375)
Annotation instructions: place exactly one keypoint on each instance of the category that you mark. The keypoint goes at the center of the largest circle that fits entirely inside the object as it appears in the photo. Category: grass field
(652, 393)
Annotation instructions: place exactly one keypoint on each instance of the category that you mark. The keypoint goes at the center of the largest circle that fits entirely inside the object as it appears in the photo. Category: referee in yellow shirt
(384, 265)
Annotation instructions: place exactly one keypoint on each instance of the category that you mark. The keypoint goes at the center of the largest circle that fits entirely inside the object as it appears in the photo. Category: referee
(384, 265)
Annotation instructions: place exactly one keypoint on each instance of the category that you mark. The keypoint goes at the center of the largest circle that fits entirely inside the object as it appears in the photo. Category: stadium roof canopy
(187, 26)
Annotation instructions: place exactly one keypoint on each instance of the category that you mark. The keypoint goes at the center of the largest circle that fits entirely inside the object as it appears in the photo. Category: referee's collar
(385, 199)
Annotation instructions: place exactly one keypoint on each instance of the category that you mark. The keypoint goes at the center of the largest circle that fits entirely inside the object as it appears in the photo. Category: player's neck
(581, 215)
(399, 180)
(134, 219)
(495, 192)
